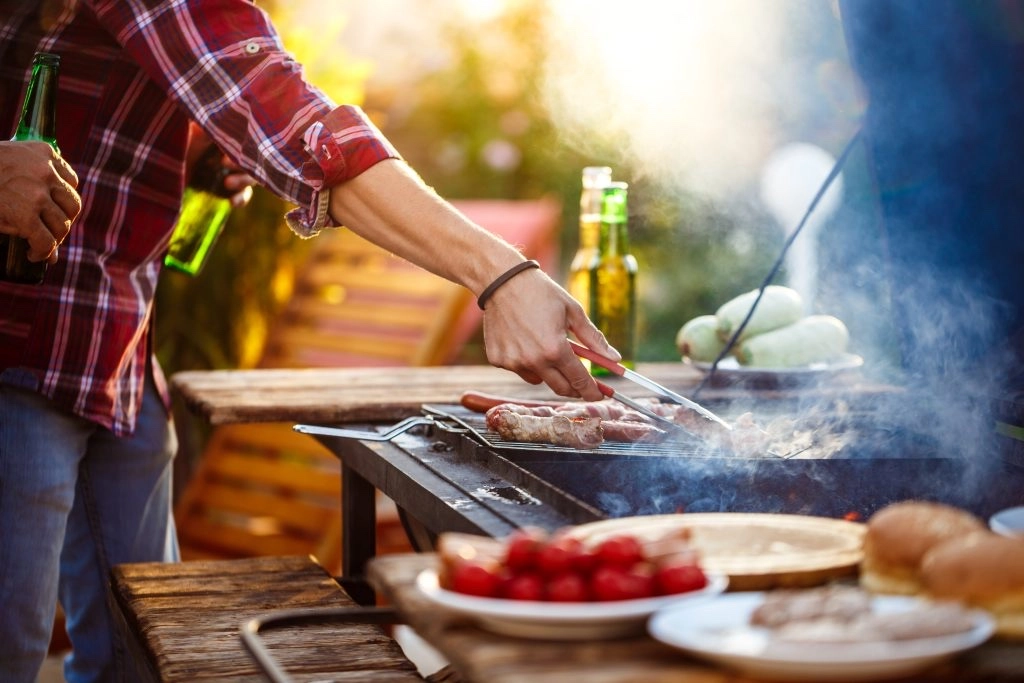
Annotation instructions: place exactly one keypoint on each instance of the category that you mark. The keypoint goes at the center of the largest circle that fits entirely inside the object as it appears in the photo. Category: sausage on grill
(560, 430)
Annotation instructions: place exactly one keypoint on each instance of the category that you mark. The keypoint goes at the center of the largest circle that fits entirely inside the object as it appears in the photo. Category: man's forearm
(391, 206)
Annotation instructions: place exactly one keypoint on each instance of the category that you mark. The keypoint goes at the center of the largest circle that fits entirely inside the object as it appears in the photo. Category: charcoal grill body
(455, 476)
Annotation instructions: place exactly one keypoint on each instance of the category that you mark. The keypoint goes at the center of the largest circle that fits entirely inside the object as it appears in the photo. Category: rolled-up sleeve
(342, 145)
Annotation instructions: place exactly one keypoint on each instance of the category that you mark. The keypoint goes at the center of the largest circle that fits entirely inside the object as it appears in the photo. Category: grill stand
(471, 496)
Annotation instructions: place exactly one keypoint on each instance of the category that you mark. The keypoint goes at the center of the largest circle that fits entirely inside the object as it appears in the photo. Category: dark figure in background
(944, 135)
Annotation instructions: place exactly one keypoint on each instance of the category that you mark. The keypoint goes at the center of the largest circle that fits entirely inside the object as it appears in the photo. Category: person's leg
(40, 450)
(122, 513)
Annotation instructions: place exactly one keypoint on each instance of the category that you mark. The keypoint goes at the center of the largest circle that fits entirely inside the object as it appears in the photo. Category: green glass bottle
(205, 207)
(595, 178)
(38, 122)
(613, 277)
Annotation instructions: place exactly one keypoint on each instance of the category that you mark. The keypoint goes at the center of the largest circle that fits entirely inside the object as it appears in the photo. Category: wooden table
(181, 623)
(479, 656)
(384, 394)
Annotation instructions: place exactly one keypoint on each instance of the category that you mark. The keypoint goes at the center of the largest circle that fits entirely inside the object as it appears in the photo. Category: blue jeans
(74, 501)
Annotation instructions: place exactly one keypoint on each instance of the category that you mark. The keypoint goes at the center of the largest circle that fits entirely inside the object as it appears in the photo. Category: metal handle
(594, 357)
(251, 629)
(365, 435)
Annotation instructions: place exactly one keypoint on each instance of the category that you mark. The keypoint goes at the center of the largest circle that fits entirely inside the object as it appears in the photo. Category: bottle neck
(590, 217)
(39, 113)
(614, 220)
(590, 231)
(614, 239)
(595, 179)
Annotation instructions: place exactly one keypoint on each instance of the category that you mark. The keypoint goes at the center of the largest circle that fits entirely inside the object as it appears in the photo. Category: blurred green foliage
(466, 123)
(477, 127)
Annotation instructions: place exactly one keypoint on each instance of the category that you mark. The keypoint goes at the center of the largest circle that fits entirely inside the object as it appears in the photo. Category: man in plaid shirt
(85, 438)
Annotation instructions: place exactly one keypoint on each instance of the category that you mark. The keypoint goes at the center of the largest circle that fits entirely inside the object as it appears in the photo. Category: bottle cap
(47, 58)
(596, 176)
(614, 203)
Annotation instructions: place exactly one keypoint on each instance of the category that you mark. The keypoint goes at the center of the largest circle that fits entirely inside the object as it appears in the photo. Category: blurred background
(723, 117)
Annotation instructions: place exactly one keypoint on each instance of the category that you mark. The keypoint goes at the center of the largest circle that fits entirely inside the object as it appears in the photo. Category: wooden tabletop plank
(338, 395)
(335, 395)
(183, 621)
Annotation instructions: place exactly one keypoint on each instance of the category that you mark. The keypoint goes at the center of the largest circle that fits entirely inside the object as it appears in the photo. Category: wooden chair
(261, 489)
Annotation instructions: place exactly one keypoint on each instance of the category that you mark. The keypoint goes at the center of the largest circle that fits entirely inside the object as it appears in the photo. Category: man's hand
(526, 323)
(38, 197)
(237, 183)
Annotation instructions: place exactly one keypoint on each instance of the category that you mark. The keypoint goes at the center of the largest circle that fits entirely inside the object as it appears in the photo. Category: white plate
(729, 370)
(560, 620)
(1008, 522)
(719, 630)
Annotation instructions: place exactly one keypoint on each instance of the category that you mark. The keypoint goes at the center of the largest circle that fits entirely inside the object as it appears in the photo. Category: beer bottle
(594, 179)
(38, 122)
(613, 277)
(205, 207)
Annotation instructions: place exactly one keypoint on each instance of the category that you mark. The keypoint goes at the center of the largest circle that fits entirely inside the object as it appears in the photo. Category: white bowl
(1008, 522)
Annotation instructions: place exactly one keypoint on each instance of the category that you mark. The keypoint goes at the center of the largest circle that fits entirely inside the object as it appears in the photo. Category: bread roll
(454, 547)
(981, 570)
(899, 535)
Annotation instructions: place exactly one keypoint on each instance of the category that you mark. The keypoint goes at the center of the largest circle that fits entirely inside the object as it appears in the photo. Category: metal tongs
(645, 382)
(639, 407)
(366, 435)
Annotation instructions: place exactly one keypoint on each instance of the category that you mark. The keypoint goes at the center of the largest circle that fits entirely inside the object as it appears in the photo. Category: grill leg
(359, 534)
(421, 538)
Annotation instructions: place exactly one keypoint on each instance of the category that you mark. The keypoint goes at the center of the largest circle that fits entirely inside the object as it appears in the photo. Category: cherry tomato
(527, 586)
(583, 560)
(473, 578)
(522, 548)
(679, 578)
(568, 587)
(619, 551)
(617, 583)
(556, 556)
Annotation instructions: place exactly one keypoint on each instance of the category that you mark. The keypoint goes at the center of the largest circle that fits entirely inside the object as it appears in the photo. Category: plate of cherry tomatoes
(533, 585)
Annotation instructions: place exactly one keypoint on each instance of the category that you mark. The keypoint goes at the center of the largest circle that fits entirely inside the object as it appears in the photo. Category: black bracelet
(481, 300)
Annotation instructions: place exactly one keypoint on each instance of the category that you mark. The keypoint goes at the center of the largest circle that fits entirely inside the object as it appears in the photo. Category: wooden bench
(181, 623)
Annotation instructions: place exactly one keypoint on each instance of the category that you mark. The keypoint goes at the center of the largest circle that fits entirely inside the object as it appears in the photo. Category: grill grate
(475, 424)
(818, 438)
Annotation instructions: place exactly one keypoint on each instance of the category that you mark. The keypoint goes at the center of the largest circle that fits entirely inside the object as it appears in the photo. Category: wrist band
(481, 300)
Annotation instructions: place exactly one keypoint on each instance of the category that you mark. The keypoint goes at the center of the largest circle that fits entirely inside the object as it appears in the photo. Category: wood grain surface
(183, 623)
(328, 396)
(339, 395)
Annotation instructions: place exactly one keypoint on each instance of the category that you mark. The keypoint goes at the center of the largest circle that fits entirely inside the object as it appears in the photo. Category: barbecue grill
(448, 472)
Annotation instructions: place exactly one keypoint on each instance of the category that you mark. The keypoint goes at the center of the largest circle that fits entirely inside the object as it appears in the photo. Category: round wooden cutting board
(757, 551)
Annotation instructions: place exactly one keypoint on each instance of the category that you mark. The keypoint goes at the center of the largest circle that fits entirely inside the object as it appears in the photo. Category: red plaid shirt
(133, 72)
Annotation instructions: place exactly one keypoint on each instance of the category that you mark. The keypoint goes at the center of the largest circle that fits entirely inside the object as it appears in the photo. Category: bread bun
(899, 535)
(982, 570)
(454, 548)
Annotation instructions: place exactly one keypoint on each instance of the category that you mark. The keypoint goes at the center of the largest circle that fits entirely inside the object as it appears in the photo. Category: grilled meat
(560, 430)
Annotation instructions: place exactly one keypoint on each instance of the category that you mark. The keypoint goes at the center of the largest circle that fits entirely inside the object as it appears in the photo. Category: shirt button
(252, 48)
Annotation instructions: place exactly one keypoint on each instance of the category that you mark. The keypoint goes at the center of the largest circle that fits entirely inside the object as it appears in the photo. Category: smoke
(698, 95)
(687, 92)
